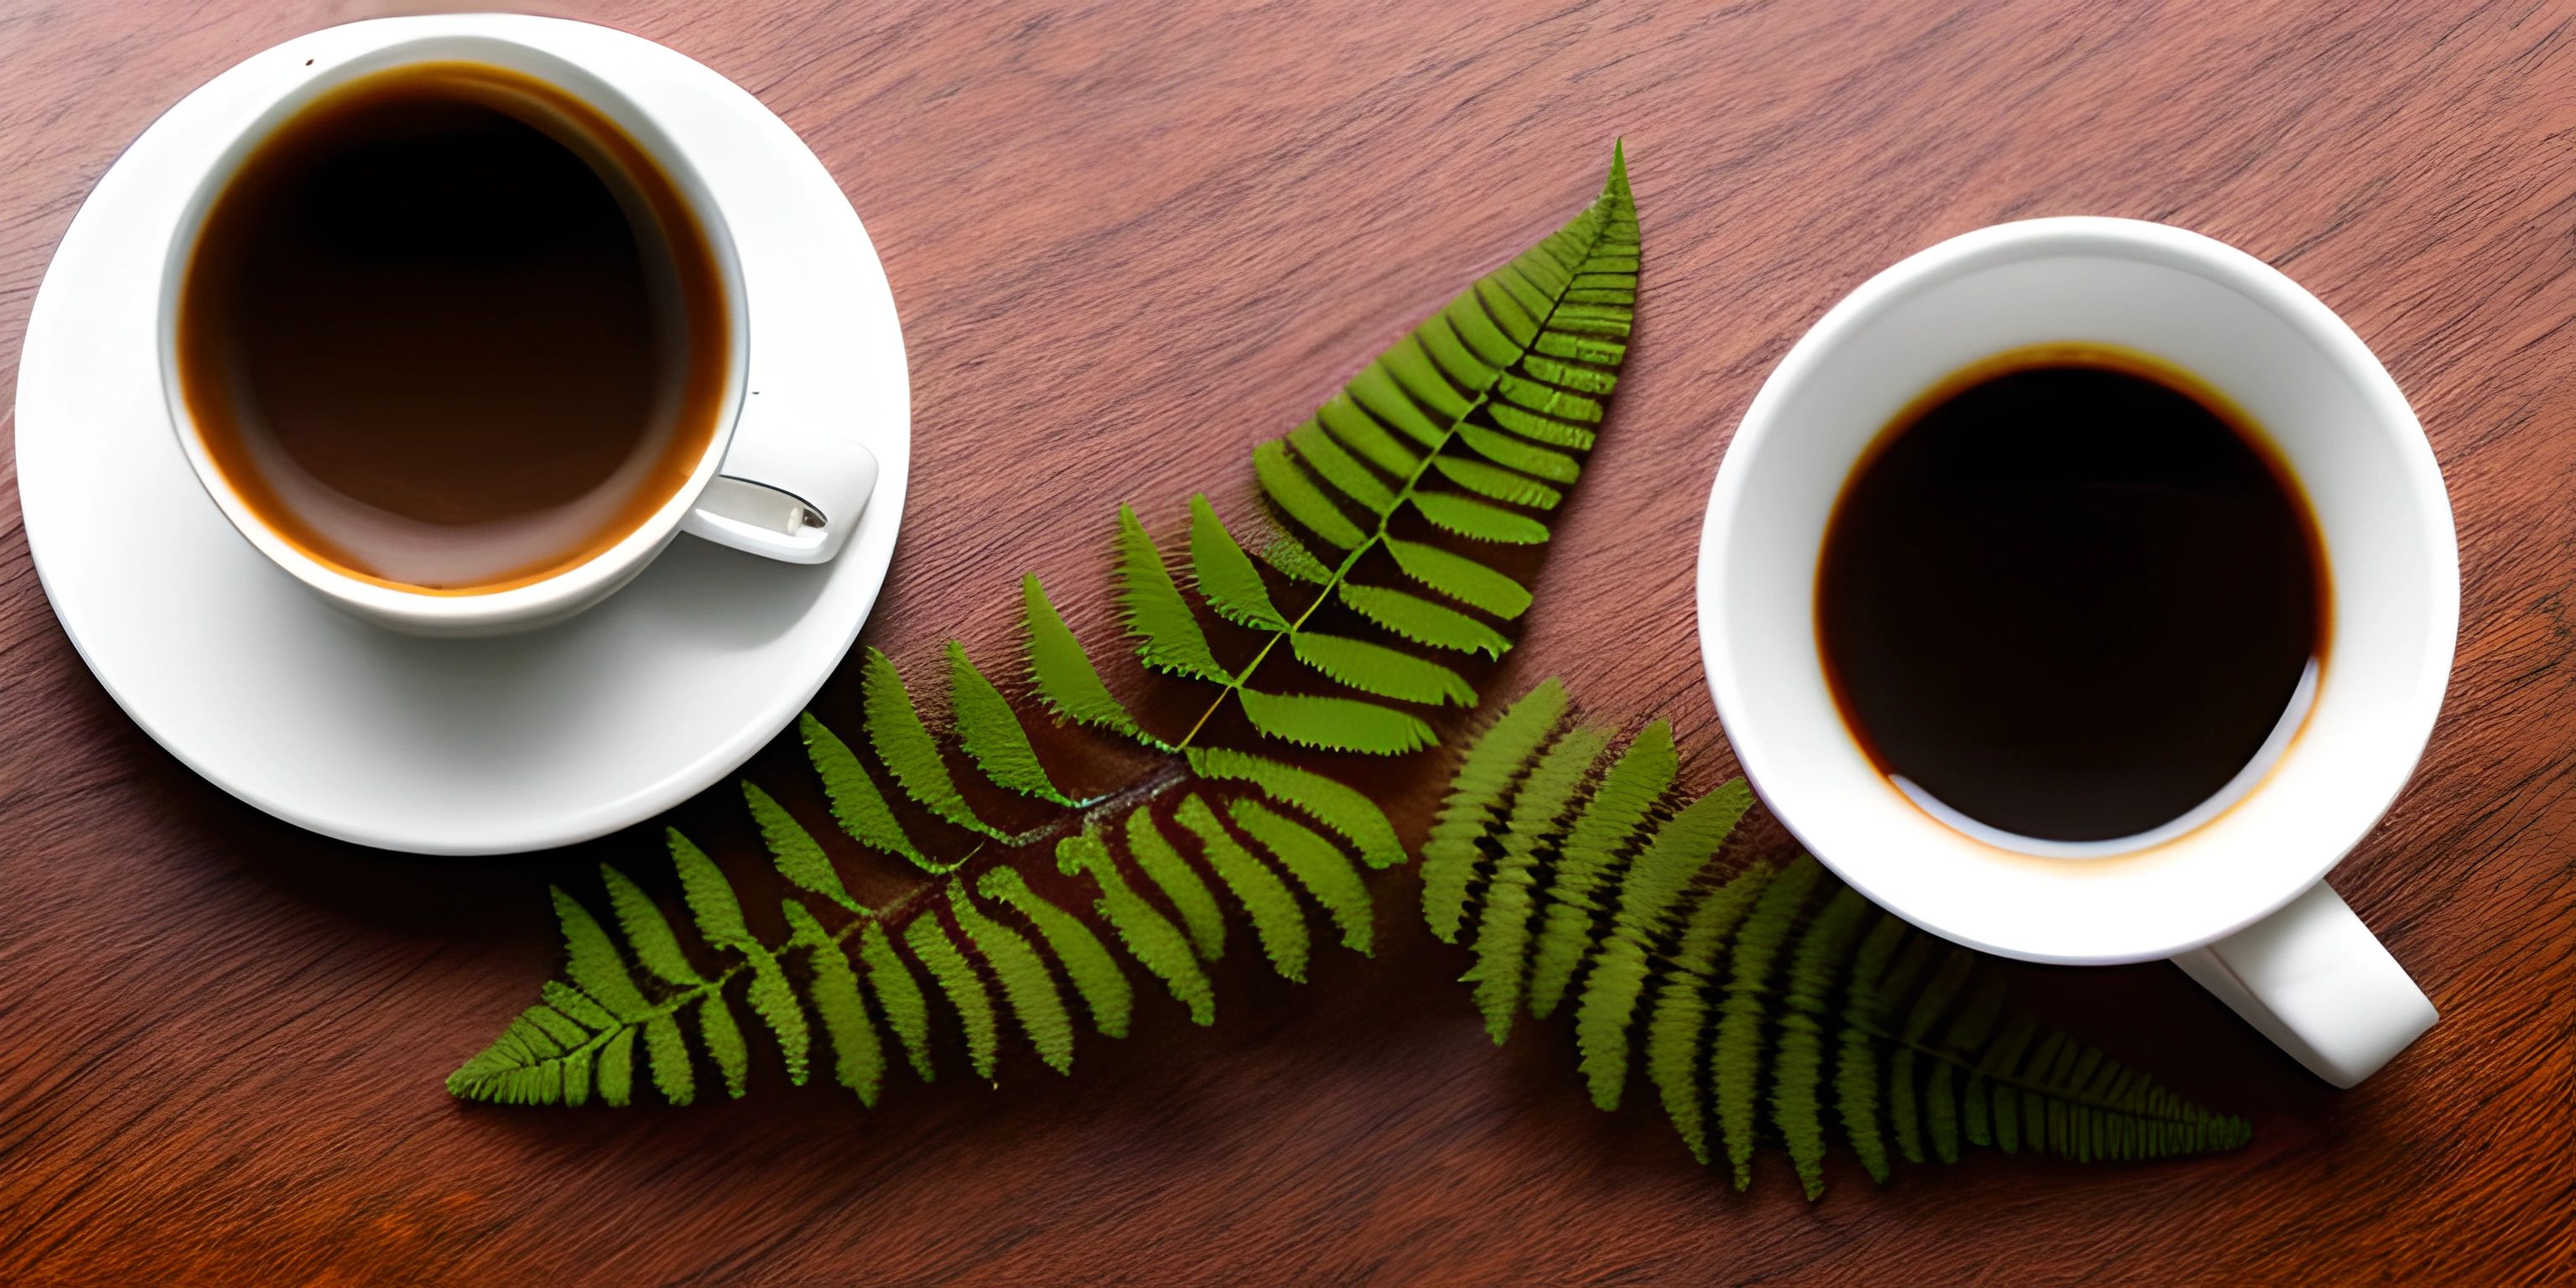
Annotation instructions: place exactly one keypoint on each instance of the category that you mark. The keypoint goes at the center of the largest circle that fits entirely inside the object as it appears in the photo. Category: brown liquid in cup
(2069, 594)
(449, 329)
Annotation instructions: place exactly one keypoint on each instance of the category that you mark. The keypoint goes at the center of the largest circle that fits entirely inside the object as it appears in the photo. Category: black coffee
(449, 328)
(2069, 594)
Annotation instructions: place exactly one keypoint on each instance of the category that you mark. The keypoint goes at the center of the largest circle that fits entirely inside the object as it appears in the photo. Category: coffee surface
(2069, 595)
(450, 329)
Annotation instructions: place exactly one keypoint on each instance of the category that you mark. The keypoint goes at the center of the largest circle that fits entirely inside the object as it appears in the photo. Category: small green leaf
(1285, 482)
(1171, 638)
(1225, 574)
(1677, 1031)
(723, 1039)
(1151, 939)
(1087, 961)
(1460, 578)
(1422, 621)
(669, 1056)
(1611, 820)
(991, 735)
(1502, 922)
(1179, 882)
(1735, 1060)
(1317, 864)
(1062, 673)
(1386, 672)
(1026, 985)
(1483, 522)
(594, 964)
(776, 1005)
(616, 1071)
(963, 987)
(1648, 891)
(647, 932)
(1475, 803)
(898, 995)
(1335, 724)
(858, 1054)
(1520, 454)
(795, 852)
(903, 743)
(1500, 484)
(709, 896)
(1294, 561)
(1276, 920)
(860, 808)
(1338, 807)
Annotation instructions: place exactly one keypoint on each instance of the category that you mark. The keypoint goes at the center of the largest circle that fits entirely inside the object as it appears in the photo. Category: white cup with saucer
(519, 741)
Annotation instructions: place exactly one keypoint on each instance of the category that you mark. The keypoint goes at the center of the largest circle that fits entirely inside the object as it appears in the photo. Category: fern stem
(1234, 687)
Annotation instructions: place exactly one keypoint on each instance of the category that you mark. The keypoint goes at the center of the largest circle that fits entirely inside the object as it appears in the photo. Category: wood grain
(221, 1040)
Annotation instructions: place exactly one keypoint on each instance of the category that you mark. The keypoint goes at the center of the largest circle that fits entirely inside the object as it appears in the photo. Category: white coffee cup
(772, 481)
(2234, 895)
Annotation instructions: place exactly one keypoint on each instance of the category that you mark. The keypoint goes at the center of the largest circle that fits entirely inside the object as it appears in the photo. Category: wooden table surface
(221, 1040)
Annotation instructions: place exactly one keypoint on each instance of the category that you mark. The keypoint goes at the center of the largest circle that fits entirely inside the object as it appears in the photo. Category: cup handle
(790, 488)
(2314, 979)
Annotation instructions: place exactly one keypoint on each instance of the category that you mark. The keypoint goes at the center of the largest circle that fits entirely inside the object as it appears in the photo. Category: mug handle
(2314, 979)
(790, 488)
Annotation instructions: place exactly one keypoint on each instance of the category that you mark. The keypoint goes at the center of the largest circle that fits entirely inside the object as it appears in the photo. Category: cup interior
(2312, 387)
(575, 586)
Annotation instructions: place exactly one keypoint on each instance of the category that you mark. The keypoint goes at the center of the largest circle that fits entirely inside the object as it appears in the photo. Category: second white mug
(2236, 898)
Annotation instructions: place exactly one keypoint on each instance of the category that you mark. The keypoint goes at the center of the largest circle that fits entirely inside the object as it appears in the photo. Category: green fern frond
(1276, 920)
(1316, 863)
(1335, 724)
(1422, 621)
(1339, 807)
(858, 1055)
(1375, 668)
(1149, 937)
(991, 735)
(857, 805)
(794, 851)
(964, 989)
(904, 745)
(1476, 420)
(1773, 997)
(1226, 577)
(1179, 882)
(1460, 578)
(1168, 634)
(1492, 765)
(1087, 961)
(1061, 672)
(1026, 985)
(1611, 819)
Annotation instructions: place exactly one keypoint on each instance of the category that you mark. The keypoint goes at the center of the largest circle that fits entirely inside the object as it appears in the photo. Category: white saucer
(450, 746)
